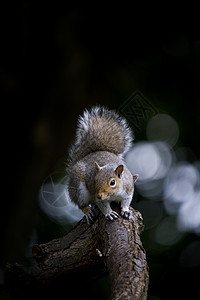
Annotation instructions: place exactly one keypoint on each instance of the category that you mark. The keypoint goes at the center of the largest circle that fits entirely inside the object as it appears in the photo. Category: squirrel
(96, 168)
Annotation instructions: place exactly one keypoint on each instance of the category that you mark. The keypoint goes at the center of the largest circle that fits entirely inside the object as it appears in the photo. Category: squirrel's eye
(112, 182)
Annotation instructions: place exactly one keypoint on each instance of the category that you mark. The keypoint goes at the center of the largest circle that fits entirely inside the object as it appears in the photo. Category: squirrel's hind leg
(79, 193)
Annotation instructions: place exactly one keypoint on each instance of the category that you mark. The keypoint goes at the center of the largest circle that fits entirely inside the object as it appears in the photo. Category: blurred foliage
(58, 60)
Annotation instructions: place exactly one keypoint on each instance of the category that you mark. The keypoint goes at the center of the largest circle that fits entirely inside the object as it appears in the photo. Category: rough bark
(125, 258)
(90, 251)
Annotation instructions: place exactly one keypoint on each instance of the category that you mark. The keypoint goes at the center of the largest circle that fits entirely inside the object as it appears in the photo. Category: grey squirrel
(96, 169)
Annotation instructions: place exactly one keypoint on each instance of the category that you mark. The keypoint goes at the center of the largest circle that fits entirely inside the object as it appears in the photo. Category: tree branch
(125, 258)
(91, 251)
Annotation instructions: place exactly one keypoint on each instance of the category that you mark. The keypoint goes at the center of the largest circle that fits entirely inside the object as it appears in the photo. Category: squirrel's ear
(135, 178)
(97, 166)
(119, 171)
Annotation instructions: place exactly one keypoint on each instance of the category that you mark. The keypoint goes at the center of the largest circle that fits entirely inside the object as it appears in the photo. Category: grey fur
(102, 140)
(100, 129)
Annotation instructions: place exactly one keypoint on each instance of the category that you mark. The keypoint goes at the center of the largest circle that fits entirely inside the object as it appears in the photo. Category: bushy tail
(100, 129)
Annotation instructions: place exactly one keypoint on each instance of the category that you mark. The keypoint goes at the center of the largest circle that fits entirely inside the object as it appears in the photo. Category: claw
(126, 214)
(89, 216)
(113, 215)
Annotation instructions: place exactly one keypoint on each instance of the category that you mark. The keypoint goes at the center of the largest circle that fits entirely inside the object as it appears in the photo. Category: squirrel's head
(107, 180)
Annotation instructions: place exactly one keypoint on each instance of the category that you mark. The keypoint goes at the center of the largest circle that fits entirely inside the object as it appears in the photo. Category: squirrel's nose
(100, 196)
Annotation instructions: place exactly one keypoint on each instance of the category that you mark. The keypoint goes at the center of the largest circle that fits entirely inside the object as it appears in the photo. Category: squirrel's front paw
(126, 214)
(112, 215)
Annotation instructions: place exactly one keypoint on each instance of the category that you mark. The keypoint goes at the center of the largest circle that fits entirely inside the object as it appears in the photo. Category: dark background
(57, 60)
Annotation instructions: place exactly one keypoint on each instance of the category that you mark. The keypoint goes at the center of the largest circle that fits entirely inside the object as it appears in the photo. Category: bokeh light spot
(163, 127)
(149, 160)
(167, 233)
(54, 200)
